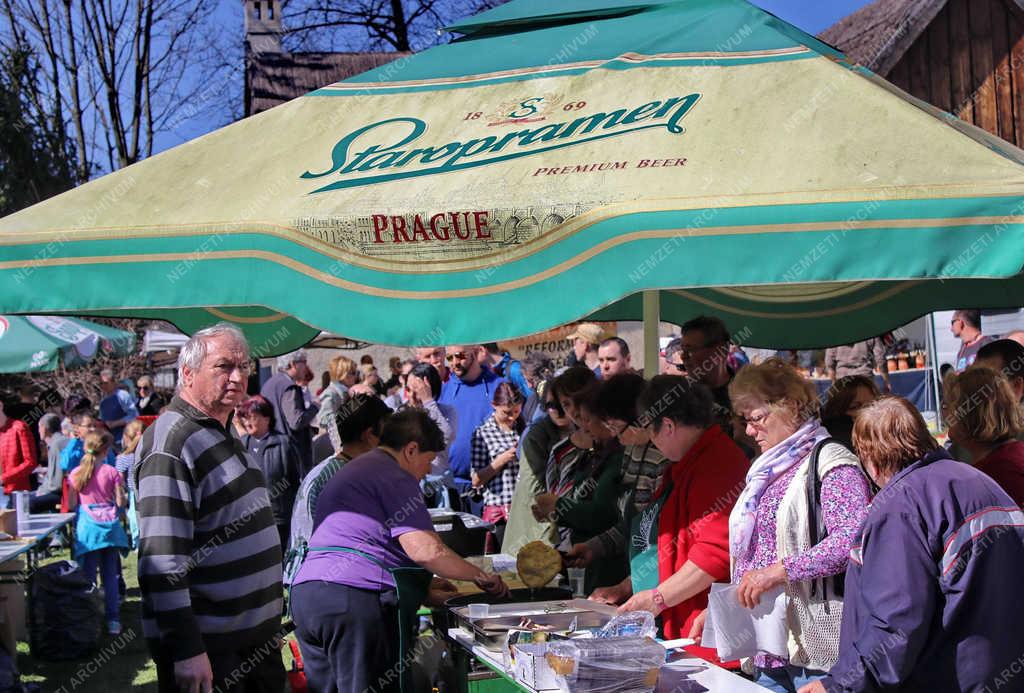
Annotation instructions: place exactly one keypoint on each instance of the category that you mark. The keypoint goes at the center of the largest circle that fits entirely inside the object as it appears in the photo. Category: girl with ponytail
(98, 491)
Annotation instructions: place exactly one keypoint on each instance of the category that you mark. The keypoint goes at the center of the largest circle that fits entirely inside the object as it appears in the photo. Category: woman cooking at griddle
(370, 564)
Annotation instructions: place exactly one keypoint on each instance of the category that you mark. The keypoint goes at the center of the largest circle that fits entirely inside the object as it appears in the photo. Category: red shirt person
(690, 539)
(17, 453)
(984, 418)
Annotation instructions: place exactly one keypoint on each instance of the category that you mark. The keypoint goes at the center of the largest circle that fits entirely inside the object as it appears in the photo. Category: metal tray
(490, 631)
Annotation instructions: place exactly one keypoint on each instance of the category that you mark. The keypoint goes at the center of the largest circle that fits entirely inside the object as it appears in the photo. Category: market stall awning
(556, 160)
(30, 343)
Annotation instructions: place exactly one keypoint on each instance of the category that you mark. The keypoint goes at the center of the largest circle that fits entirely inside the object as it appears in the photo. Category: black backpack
(68, 613)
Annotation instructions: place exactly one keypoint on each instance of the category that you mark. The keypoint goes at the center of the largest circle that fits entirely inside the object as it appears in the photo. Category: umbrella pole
(934, 358)
(652, 319)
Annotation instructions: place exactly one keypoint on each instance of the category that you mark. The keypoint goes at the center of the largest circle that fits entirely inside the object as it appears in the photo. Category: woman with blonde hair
(343, 372)
(125, 463)
(933, 588)
(794, 521)
(984, 420)
(98, 491)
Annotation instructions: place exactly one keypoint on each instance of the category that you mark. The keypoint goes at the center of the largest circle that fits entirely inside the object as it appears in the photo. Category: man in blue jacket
(469, 390)
(933, 599)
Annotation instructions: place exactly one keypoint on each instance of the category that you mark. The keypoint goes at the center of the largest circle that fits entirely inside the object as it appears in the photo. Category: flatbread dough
(538, 564)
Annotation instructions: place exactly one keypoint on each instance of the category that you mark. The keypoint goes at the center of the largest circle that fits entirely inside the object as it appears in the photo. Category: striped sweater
(209, 554)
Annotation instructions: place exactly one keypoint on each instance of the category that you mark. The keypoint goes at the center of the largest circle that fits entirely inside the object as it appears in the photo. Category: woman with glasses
(150, 401)
(584, 476)
(642, 471)
(793, 524)
(534, 451)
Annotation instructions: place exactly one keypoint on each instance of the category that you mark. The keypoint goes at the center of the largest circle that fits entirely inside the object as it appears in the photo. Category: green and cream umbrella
(554, 162)
(30, 343)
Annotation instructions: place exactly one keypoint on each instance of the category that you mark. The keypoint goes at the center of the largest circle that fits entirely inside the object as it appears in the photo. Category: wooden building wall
(970, 61)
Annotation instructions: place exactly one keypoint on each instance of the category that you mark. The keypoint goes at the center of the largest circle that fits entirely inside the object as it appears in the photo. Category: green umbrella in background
(32, 343)
(556, 161)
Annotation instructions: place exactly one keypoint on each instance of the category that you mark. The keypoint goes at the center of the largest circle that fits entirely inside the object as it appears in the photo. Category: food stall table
(671, 678)
(34, 537)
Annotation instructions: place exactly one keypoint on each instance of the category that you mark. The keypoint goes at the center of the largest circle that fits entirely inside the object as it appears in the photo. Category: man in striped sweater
(209, 554)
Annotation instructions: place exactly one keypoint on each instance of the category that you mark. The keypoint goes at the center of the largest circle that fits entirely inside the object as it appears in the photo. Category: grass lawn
(120, 663)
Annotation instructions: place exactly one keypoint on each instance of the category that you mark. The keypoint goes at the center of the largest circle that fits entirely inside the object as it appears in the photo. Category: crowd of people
(895, 556)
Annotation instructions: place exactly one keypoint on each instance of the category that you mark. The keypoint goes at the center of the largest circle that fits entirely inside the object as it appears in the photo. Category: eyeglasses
(687, 350)
(458, 356)
(756, 420)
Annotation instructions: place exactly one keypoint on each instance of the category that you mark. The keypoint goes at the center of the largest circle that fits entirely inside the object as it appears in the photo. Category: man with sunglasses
(966, 326)
(469, 391)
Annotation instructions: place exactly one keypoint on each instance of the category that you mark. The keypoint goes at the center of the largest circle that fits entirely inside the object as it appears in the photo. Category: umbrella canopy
(555, 161)
(30, 343)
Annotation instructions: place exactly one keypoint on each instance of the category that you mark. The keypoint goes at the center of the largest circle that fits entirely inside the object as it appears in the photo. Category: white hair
(194, 351)
(107, 374)
(284, 361)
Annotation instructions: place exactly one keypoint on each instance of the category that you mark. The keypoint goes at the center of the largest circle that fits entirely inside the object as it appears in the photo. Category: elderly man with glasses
(469, 391)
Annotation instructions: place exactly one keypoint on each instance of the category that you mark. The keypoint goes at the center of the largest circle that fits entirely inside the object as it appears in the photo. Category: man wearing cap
(291, 414)
(585, 342)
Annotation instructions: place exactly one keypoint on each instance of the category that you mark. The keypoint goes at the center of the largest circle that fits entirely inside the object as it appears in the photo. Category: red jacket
(17, 455)
(1005, 464)
(694, 522)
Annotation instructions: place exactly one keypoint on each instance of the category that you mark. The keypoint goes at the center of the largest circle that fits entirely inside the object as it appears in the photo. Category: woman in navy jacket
(933, 597)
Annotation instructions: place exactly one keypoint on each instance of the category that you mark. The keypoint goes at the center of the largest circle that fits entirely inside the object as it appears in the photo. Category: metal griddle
(490, 631)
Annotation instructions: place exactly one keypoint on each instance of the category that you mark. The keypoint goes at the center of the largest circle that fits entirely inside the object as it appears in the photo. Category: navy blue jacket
(933, 591)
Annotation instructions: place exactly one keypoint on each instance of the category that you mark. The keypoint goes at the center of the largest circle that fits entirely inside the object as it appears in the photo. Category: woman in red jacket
(679, 544)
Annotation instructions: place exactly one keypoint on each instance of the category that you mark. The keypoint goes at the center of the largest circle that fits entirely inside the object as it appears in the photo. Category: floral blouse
(844, 502)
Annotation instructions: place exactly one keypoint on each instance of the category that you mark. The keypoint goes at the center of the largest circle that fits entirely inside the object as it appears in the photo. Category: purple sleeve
(844, 501)
(405, 509)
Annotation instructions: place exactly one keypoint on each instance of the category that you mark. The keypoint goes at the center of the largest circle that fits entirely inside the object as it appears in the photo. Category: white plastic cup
(21, 508)
(576, 577)
(479, 610)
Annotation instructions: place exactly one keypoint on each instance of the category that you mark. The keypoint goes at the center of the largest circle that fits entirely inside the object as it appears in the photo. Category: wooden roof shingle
(273, 78)
(878, 34)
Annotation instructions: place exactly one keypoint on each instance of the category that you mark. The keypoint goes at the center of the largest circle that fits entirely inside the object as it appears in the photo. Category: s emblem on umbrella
(4, 326)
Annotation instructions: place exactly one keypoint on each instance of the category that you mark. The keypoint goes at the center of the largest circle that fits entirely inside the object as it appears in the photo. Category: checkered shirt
(489, 441)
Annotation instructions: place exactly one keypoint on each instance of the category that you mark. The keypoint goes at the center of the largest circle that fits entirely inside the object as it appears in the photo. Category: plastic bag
(632, 624)
(604, 665)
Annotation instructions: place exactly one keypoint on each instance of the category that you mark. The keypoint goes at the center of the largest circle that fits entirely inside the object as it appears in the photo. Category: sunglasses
(552, 405)
(458, 356)
(678, 366)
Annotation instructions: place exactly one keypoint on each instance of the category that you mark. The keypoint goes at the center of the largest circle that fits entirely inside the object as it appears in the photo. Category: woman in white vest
(794, 523)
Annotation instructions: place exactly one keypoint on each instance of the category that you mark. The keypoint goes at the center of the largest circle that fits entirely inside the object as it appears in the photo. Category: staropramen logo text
(361, 158)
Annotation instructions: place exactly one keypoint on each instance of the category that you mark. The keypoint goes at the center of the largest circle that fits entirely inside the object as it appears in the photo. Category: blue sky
(810, 15)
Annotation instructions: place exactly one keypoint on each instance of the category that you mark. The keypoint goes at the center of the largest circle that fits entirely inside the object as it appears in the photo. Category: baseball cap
(589, 331)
